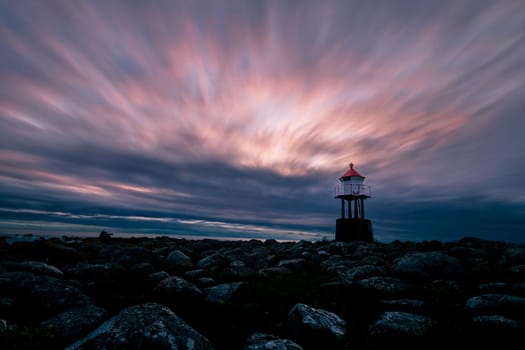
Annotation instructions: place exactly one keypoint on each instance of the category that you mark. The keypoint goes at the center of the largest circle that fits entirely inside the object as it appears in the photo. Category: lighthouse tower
(352, 225)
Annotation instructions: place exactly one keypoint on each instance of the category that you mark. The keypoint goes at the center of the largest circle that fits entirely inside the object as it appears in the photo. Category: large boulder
(178, 289)
(223, 293)
(316, 327)
(261, 341)
(360, 272)
(426, 265)
(46, 307)
(212, 262)
(146, 326)
(292, 264)
(41, 294)
(395, 327)
(502, 304)
(177, 260)
(42, 249)
(236, 273)
(90, 272)
(74, 323)
(385, 286)
(36, 267)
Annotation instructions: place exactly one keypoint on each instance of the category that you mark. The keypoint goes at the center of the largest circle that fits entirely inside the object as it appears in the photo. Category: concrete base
(347, 230)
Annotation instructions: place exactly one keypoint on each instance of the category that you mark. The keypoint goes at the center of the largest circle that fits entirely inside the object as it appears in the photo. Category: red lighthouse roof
(351, 172)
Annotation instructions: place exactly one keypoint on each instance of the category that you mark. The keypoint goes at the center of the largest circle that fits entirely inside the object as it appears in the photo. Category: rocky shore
(167, 293)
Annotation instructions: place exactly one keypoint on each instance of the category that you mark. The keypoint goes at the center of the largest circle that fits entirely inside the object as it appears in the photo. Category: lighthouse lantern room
(352, 225)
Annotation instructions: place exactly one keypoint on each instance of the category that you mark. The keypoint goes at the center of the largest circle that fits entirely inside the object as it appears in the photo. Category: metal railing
(347, 189)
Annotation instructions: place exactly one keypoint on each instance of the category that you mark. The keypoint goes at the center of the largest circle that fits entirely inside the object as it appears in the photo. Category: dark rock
(84, 271)
(360, 272)
(297, 250)
(471, 290)
(236, 273)
(517, 289)
(492, 331)
(395, 324)
(45, 312)
(514, 256)
(316, 327)
(274, 271)
(223, 293)
(205, 281)
(261, 341)
(46, 250)
(158, 276)
(104, 236)
(428, 265)
(177, 260)
(502, 304)
(196, 273)
(124, 254)
(146, 326)
(259, 258)
(409, 305)
(518, 270)
(36, 267)
(384, 285)
(142, 269)
(488, 321)
(212, 261)
(74, 323)
(180, 289)
(41, 293)
(292, 264)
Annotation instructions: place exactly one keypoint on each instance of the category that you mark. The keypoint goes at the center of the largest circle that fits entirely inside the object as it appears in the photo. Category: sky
(236, 118)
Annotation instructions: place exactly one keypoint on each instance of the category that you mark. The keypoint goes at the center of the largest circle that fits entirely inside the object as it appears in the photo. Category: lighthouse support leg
(342, 208)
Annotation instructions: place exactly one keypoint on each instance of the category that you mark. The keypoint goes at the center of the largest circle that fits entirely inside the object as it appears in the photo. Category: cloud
(249, 111)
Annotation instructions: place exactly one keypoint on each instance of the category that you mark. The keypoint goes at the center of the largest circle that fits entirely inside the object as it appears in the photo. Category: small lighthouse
(352, 225)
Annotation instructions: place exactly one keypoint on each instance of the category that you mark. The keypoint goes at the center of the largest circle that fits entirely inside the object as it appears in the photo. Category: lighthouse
(352, 225)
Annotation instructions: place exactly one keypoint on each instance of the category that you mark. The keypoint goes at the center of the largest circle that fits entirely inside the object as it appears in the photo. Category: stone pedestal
(347, 230)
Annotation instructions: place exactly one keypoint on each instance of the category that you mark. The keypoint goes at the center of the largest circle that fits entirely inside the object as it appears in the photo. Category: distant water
(57, 224)
(27, 237)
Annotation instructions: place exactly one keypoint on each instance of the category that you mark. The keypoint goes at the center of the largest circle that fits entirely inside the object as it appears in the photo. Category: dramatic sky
(236, 118)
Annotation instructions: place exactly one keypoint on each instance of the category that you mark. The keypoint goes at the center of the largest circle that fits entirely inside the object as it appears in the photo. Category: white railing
(347, 189)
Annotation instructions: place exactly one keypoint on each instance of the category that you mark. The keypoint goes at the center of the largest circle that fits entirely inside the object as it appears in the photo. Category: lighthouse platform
(348, 230)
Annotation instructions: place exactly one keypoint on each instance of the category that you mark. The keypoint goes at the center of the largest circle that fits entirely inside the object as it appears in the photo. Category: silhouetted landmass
(167, 293)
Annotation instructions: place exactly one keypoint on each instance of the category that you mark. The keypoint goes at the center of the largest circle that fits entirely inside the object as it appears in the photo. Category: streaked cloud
(249, 111)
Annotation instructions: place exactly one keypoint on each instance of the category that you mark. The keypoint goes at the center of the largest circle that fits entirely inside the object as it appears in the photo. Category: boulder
(179, 289)
(41, 293)
(236, 273)
(426, 265)
(292, 264)
(383, 285)
(146, 326)
(360, 272)
(400, 326)
(74, 323)
(261, 341)
(503, 304)
(142, 269)
(177, 260)
(223, 293)
(158, 276)
(36, 267)
(86, 271)
(316, 327)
